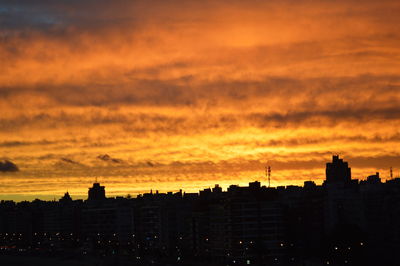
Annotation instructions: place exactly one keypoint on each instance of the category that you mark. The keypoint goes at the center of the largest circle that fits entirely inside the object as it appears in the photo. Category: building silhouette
(338, 171)
(96, 192)
(342, 222)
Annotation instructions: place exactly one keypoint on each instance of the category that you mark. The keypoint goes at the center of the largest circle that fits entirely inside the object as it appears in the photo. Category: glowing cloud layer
(172, 94)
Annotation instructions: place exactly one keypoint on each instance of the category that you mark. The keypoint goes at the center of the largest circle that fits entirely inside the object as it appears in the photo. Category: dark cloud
(326, 117)
(8, 166)
(203, 121)
(108, 158)
(383, 161)
(69, 161)
(370, 91)
(25, 143)
(313, 140)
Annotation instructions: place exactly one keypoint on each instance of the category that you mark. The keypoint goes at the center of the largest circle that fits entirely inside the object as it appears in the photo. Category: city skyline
(168, 95)
(264, 181)
(344, 221)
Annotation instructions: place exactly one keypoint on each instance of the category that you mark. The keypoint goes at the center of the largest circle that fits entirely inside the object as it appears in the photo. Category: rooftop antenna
(268, 174)
(391, 172)
(96, 179)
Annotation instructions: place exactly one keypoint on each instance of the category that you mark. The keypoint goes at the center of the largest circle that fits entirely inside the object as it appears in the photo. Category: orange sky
(187, 94)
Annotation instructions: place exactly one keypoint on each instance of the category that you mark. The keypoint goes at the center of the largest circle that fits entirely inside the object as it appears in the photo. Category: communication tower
(268, 174)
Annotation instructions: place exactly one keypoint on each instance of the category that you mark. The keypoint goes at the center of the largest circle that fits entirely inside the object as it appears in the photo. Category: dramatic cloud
(107, 158)
(68, 161)
(8, 166)
(170, 94)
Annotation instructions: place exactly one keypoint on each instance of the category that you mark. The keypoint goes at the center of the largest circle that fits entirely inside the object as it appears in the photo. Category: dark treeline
(342, 222)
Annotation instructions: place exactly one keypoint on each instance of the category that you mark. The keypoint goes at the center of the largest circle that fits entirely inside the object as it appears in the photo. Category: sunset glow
(170, 95)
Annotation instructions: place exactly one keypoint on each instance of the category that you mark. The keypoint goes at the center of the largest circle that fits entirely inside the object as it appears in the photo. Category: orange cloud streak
(185, 95)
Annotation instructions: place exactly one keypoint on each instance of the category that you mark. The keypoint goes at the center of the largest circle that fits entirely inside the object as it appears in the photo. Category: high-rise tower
(96, 192)
(338, 171)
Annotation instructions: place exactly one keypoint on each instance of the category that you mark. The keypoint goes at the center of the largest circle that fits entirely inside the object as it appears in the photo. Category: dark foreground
(28, 260)
(15, 260)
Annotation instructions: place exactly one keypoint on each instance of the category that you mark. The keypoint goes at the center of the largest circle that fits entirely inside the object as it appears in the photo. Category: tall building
(96, 192)
(338, 171)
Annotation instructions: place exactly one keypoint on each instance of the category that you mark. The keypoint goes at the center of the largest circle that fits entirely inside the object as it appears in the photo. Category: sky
(170, 95)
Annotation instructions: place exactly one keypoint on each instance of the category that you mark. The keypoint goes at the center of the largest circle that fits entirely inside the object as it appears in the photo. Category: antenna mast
(391, 172)
(268, 174)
